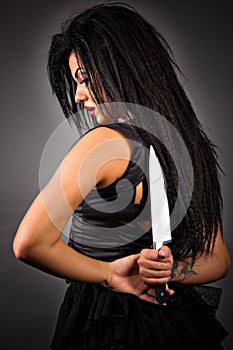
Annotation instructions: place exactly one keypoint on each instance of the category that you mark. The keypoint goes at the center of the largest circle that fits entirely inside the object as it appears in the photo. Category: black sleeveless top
(108, 224)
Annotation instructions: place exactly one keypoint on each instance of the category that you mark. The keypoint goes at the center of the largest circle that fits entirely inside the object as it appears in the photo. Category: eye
(84, 81)
(81, 76)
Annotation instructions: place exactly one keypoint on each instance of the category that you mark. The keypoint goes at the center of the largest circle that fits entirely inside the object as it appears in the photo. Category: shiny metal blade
(160, 215)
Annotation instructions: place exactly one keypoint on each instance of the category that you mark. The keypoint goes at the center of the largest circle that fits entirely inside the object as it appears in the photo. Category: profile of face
(82, 93)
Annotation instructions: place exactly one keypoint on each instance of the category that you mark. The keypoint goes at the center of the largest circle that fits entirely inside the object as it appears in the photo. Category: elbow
(22, 247)
(227, 265)
(19, 254)
(21, 251)
(224, 263)
(222, 257)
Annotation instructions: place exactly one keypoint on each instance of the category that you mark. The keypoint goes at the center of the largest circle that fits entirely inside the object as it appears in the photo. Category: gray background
(200, 34)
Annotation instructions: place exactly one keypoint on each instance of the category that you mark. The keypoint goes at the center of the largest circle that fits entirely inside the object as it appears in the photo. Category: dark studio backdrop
(200, 34)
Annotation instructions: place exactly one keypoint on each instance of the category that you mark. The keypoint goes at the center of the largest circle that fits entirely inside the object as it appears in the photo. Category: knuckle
(145, 251)
(159, 266)
(139, 261)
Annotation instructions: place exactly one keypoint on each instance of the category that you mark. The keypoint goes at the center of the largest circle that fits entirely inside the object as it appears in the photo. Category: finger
(170, 291)
(164, 252)
(134, 258)
(146, 273)
(150, 299)
(156, 281)
(151, 291)
(150, 254)
(154, 257)
(155, 265)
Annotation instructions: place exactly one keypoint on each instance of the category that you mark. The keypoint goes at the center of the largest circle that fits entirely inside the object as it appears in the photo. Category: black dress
(108, 225)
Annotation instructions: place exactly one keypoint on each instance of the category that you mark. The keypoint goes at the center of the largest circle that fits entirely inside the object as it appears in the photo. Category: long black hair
(128, 59)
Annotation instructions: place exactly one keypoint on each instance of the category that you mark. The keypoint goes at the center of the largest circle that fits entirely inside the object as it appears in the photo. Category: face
(82, 92)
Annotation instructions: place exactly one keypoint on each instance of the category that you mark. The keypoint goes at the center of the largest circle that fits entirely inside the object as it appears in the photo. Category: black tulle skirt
(93, 317)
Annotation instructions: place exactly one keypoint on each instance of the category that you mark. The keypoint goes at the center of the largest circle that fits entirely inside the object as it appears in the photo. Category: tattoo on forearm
(181, 270)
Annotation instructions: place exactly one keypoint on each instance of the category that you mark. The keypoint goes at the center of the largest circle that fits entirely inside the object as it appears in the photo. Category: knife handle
(162, 295)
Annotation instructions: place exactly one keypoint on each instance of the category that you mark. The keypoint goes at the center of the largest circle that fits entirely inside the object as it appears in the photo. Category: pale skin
(97, 160)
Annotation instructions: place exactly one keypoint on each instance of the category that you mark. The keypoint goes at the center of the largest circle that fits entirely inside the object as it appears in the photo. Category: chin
(103, 120)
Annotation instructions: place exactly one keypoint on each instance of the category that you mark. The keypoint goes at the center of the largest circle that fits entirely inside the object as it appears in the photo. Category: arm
(208, 267)
(157, 269)
(37, 241)
(99, 158)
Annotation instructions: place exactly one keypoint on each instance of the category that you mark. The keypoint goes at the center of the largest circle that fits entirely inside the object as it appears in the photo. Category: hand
(155, 266)
(124, 277)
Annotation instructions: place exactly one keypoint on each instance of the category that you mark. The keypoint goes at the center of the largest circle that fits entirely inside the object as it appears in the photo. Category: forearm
(62, 261)
(206, 268)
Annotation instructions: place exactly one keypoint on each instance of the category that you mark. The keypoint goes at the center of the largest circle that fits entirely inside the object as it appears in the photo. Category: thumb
(164, 252)
(135, 257)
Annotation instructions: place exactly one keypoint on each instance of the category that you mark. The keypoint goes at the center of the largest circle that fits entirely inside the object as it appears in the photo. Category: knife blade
(160, 216)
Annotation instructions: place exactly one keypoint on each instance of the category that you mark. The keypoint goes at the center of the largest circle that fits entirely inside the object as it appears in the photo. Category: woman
(105, 55)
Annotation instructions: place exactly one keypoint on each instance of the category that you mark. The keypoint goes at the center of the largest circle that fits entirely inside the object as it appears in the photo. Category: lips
(91, 110)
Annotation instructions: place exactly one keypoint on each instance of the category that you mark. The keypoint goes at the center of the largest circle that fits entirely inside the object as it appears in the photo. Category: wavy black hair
(128, 59)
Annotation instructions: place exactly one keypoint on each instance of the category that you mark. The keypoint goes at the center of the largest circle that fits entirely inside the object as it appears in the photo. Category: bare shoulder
(104, 152)
(102, 134)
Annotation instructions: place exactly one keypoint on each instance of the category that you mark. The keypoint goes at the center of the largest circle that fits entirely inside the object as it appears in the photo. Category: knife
(160, 216)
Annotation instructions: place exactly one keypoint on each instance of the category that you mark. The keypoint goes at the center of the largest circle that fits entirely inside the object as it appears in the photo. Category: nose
(81, 93)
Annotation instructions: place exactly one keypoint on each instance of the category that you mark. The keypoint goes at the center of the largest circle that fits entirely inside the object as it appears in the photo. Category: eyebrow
(77, 70)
